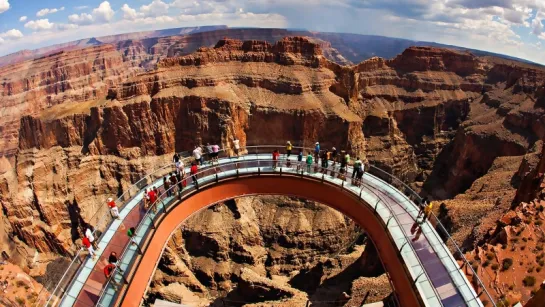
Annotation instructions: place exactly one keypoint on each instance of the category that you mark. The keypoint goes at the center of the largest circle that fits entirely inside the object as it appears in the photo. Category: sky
(512, 27)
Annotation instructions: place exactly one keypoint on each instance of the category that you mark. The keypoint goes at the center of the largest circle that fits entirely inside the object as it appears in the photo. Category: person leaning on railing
(113, 208)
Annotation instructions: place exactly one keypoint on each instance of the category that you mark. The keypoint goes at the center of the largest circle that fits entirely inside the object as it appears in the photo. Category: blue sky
(513, 27)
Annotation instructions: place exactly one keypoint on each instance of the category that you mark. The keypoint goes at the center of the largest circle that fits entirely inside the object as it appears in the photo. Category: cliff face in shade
(451, 124)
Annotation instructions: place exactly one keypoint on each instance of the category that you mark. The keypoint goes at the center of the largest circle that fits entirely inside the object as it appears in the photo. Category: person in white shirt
(89, 234)
(197, 154)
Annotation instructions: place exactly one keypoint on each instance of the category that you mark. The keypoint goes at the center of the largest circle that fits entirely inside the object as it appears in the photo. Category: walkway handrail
(148, 214)
(77, 266)
(203, 172)
(444, 230)
(106, 218)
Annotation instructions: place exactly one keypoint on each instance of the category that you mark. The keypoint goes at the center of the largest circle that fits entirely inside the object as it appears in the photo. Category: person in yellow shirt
(289, 147)
(425, 209)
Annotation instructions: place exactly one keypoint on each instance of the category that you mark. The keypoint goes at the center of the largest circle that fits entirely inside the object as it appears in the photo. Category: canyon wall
(82, 126)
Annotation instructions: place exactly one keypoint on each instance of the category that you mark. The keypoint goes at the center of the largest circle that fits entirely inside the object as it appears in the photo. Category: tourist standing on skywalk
(333, 155)
(176, 160)
(114, 260)
(89, 235)
(236, 144)
(309, 162)
(299, 160)
(357, 167)
(275, 156)
(108, 271)
(166, 186)
(215, 153)
(289, 147)
(197, 154)
(317, 152)
(113, 208)
(87, 244)
(193, 172)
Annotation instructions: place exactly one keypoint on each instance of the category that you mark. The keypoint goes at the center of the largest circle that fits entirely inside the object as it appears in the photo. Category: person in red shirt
(275, 156)
(108, 271)
(193, 171)
(113, 208)
(152, 194)
(87, 244)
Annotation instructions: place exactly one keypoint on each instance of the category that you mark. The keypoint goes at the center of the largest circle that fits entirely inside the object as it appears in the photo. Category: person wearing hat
(113, 208)
(289, 147)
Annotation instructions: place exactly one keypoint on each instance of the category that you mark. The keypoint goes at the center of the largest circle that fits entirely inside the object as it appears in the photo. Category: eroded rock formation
(84, 125)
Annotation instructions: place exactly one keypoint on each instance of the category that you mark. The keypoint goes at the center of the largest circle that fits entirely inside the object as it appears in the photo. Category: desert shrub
(20, 283)
(538, 222)
(495, 266)
(529, 281)
(506, 263)
(504, 246)
(538, 269)
(486, 263)
(530, 269)
(490, 255)
(541, 262)
(20, 301)
(539, 247)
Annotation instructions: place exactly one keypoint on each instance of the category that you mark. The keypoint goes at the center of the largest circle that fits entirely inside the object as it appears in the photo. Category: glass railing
(52, 293)
(251, 164)
(146, 219)
(441, 234)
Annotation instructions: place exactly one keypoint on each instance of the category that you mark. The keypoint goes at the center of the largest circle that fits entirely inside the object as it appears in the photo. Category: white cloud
(104, 12)
(47, 11)
(81, 7)
(537, 25)
(129, 13)
(39, 25)
(4, 6)
(23, 18)
(12, 34)
(154, 9)
(81, 19)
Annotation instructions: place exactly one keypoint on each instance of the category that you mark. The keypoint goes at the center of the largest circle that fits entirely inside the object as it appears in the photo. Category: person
(209, 151)
(288, 163)
(166, 186)
(197, 154)
(215, 152)
(108, 271)
(131, 233)
(346, 159)
(193, 172)
(89, 235)
(176, 159)
(179, 177)
(87, 244)
(359, 176)
(317, 152)
(343, 161)
(423, 204)
(145, 199)
(173, 180)
(236, 144)
(289, 147)
(152, 198)
(309, 162)
(333, 156)
(427, 211)
(180, 166)
(299, 159)
(114, 260)
(275, 156)
(357, 166)
(324, 160)
(113, 208)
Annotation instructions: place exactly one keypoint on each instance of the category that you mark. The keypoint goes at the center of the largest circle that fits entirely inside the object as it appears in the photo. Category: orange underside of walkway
(327, 194)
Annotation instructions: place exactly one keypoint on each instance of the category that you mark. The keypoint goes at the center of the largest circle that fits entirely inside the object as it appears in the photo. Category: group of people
(325, 156)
